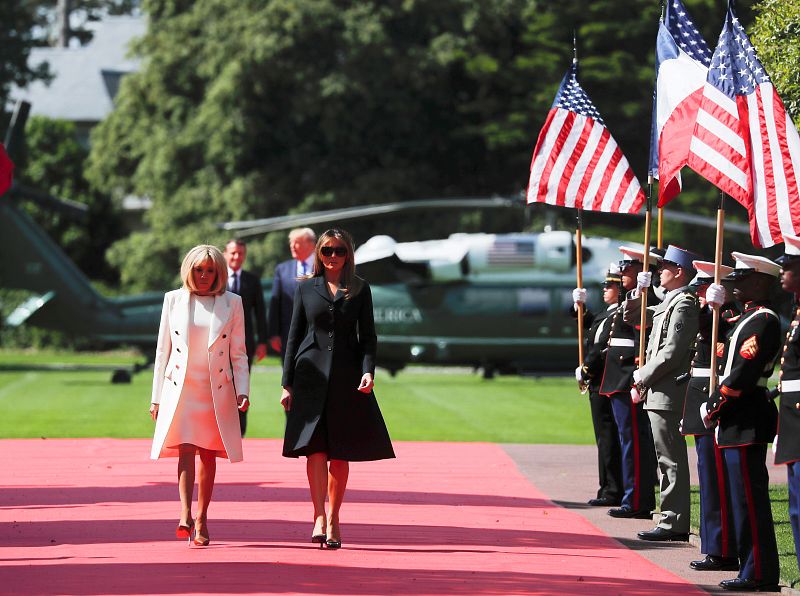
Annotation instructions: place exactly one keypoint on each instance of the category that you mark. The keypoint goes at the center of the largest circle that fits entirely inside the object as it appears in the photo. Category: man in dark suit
(248, 286)
(301, 245)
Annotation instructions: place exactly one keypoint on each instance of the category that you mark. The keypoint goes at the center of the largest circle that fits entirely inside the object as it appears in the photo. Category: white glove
(636, 397)
(704, 415)
(643, 280)
(775, 445)
(637, 377)
(715, 295)
(578, 297)
(579, 374)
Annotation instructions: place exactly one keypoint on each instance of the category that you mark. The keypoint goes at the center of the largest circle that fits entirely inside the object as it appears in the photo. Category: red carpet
(95, 516)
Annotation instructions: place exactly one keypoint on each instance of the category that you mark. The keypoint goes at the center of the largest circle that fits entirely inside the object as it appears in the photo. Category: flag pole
(579, 270)
(645, 267)
(712, 381)
(660, 227)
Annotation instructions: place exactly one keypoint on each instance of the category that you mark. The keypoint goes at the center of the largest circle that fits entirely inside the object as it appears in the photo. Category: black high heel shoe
(333, 543)
(319, 539)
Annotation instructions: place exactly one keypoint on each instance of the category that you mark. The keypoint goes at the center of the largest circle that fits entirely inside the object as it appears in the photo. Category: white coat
(227, 366)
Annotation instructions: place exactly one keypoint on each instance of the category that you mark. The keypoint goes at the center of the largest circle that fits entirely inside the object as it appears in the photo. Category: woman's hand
(286, 398)
(366, 384)
(153, 411)
(243, 403)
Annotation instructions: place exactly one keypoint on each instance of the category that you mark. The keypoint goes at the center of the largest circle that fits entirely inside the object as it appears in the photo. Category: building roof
(86, 78)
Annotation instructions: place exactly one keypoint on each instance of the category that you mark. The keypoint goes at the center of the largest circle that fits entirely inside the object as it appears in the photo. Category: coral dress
(195, 421)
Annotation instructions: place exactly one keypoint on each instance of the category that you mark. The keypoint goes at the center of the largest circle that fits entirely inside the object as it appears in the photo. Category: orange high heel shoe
(185, 531)
(201, 538)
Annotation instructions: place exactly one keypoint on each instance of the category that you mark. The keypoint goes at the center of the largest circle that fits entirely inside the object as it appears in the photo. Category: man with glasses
(746, 419)
(636, 443)
(673, 330)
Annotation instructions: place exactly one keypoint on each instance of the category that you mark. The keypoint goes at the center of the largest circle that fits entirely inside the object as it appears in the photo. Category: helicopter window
(478, 300)
(533, 301)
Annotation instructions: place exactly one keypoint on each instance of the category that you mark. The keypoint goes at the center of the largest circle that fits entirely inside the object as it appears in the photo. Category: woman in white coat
(200, 378)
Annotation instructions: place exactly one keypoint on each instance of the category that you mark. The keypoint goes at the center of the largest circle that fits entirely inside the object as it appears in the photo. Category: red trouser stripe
(751, 514)
(723, 499)
(637, 481)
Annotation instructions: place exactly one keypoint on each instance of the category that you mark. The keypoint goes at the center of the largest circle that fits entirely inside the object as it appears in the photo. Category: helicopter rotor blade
(284, 222)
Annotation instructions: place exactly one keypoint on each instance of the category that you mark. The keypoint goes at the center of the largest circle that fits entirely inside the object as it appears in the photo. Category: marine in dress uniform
(636, 441)
(606, 435)
(717, 538)
(746, 421)
(787, 450)
(672, 335)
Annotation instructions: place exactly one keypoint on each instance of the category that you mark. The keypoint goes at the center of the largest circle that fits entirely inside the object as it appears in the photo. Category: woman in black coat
(333, 417)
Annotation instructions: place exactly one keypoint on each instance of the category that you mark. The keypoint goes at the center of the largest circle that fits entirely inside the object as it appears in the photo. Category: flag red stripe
(605, 182)
(623, 187)
(558, 144)
(788, 167)
(569, 170)
(590, 168)
(768, 174)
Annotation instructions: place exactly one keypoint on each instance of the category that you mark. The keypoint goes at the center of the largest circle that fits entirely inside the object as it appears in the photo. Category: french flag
(682, 61)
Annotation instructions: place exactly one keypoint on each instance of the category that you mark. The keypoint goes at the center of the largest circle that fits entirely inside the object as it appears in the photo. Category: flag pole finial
(574, 46)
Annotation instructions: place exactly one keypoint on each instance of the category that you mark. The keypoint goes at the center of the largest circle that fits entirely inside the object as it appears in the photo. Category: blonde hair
(350, 283)
(200, 254)
(302, 233)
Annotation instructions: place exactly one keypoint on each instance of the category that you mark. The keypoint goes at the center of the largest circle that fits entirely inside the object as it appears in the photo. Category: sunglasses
(329, 251)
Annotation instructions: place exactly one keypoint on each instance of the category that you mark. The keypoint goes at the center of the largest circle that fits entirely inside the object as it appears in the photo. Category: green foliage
(252, 109)
(17, 21)
(53, 162)
(775, 35)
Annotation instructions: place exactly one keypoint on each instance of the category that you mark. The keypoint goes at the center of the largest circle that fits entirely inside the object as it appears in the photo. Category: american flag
(682, 60)
(576, 162)
(744, 142)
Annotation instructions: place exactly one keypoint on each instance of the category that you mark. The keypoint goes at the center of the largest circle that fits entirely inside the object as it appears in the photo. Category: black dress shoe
(603, 502)
(627, 512)
(659, 534)
(741, 584)
(714, 563)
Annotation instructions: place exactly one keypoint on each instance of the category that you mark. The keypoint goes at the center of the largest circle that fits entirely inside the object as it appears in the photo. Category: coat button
(220, 370)
(330, 307)
(330, 348)
(177, 366)
(797, 406)
(705, 389)
(219, 387)
(224, 336)
(178, 350)
(176, 332)
(221, 353)
(174, 382)
(330, 333)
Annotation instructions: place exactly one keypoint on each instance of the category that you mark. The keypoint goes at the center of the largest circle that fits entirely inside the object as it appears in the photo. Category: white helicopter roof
(484, 256)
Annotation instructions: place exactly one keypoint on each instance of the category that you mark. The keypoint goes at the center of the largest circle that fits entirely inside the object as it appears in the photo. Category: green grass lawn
(779, 497)
(419, 405)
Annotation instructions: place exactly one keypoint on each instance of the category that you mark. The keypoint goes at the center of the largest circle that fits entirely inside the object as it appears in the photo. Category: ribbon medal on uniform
(749, 348)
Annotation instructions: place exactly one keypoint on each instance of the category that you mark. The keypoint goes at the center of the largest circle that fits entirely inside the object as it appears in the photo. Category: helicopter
(499, 302)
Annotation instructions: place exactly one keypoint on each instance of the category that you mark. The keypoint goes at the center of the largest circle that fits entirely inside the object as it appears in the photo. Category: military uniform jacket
(745, 414)
(622, 354)
(672, 335)
(697, 393)
(596, 345)
(789, 412)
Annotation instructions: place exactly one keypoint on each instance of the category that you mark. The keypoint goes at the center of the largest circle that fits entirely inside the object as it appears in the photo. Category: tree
(17, 28)
(775, 35)
(53, 162)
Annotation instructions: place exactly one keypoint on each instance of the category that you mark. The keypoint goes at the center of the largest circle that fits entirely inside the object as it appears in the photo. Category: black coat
(255, 312)
(331, 345)
(697, 394)
(599, 328)
(789, 412)
(746, 414)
